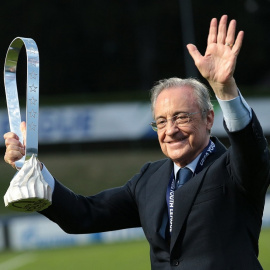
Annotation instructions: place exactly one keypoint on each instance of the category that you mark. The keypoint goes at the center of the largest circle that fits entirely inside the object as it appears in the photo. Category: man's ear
(210, 119)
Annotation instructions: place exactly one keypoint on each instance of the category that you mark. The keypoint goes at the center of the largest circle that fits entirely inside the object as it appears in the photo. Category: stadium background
(98, 60)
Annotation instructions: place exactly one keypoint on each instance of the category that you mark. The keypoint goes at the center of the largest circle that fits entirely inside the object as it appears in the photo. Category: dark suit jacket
(217, 214)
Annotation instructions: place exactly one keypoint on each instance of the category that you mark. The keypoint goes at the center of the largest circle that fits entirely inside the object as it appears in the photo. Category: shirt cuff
(48, 177)
(237, 113)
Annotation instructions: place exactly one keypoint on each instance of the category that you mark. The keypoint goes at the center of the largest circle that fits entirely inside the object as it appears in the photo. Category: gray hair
(200, 91)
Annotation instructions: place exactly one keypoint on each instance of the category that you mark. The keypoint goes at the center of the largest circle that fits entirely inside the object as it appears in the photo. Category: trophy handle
(32, 94)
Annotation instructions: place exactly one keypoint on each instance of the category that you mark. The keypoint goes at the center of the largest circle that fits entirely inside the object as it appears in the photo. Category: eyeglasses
(179, 119)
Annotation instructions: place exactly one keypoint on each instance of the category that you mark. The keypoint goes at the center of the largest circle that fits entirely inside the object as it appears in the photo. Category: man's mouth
(176, 141)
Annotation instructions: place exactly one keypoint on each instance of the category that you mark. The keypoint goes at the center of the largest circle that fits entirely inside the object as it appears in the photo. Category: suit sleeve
(112, 209)
(248, 158)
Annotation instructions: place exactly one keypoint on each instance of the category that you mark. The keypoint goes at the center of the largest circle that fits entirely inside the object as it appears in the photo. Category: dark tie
(184, 174)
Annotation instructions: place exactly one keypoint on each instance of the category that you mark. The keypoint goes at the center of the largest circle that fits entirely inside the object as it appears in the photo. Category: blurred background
(102, 46)
(98, 61)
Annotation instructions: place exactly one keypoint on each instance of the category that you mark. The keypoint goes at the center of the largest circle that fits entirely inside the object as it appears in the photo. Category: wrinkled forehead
(174, 100)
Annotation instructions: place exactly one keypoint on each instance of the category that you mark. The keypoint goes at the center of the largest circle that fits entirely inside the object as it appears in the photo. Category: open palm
(218, 63)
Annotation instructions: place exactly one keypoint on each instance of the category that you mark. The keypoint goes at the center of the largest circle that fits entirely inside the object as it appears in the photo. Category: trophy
(28, 191)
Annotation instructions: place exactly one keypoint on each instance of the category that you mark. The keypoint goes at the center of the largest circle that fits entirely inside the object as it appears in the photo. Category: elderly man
(200, 208)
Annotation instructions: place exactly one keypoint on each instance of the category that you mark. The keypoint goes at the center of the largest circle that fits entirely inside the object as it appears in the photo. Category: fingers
(222, 30)
(212, 36)
(193, 51)
(231, 33)
(14, 149)
(12, 139)
(238, 43)
(10, 135)
(230, 41)
(220, 34)
(23, 130)
(13, 154)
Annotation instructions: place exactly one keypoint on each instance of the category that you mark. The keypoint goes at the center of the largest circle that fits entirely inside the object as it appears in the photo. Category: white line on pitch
(18, 261)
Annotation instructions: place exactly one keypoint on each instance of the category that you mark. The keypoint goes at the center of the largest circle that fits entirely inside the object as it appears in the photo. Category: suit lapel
(185, 196)
(156, 200)
(183, 201)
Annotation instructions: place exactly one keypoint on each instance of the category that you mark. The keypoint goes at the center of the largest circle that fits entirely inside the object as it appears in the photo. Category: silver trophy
(28, 191)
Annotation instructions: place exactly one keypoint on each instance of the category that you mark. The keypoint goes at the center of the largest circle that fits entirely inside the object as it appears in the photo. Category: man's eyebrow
(160, 116)
(176, 113)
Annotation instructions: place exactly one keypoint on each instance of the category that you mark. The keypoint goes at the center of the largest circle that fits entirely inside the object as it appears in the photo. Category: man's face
(182, 143)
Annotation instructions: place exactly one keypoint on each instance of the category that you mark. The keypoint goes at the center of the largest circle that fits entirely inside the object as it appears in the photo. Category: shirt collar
(192, 165)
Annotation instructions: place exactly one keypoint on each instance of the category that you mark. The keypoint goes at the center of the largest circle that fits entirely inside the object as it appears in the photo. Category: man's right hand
(15, 150)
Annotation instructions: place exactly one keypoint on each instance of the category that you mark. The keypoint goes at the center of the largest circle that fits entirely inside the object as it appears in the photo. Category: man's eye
(161, 122)
(181, 117)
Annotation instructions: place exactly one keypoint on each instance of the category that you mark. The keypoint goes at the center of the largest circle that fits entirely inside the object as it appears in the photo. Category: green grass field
(264, 246)
(125, 255)
(117, 256)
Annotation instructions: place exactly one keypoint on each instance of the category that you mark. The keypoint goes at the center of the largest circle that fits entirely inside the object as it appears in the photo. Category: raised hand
(218, 63)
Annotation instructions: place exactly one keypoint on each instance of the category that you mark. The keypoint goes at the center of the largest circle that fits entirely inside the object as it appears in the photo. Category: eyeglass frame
(173, 119)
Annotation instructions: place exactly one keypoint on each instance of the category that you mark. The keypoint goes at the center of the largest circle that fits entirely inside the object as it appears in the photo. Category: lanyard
(208, 150)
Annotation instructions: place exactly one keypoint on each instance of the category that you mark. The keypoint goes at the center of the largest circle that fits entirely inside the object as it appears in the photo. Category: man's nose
(171, 127)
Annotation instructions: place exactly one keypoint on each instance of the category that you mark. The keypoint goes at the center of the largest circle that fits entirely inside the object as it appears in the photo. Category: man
(212, 221)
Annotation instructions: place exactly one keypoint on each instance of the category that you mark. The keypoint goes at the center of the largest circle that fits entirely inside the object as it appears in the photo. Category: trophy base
(29, 205)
